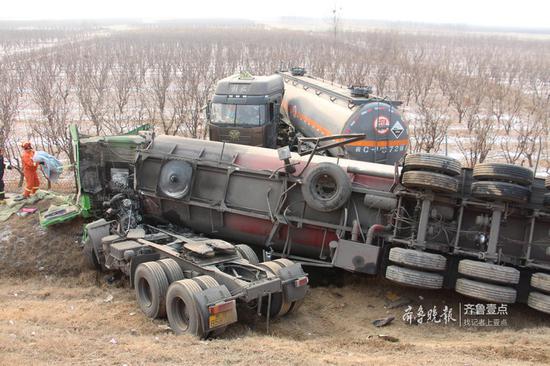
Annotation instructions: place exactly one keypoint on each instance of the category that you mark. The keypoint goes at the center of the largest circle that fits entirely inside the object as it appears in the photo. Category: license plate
(221, 319)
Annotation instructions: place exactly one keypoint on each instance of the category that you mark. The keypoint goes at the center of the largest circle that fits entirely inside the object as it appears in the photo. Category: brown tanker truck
(273, 111)
(429, 224)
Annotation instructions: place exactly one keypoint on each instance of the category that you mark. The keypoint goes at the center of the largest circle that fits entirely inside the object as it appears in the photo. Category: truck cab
(245, 110)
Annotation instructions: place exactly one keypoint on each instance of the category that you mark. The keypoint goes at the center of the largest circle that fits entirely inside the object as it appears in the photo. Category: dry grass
(58, 315)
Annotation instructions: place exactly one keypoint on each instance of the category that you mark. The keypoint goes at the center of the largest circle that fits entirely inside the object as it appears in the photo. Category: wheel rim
(325, 187)
(181, 314)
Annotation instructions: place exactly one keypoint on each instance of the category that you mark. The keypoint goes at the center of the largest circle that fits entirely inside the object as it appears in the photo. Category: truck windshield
(242, 114)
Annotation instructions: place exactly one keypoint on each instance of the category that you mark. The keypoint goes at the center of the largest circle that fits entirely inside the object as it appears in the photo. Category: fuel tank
(319, 108)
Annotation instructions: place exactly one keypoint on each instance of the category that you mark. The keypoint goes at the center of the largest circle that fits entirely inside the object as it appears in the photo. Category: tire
(90, 258)
(247, 253)
(503, 173)
(283, 262)
(418, 259)
(414, 278)
(485, 291)
(326, 187)
(500, 191)
(206, 282)
(278, 306)
(289, 307)
(151, 285)
(432, 163)
(430, 180)
(488, 271)
(541, 281)
(182, 309)
(172, 270)
(538, 301)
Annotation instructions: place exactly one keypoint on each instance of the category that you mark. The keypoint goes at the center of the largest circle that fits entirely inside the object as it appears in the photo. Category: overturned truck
(430, 223)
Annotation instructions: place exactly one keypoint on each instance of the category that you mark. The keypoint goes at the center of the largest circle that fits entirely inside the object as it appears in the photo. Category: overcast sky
(507, 13)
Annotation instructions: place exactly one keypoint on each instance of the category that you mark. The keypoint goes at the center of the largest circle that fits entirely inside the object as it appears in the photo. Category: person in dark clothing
(2, 167)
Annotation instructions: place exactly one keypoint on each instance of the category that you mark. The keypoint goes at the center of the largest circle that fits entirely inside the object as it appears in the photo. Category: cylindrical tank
(317, 108)
(235, 193)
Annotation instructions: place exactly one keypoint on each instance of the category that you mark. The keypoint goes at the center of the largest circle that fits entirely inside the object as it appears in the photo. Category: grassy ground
(53, 312)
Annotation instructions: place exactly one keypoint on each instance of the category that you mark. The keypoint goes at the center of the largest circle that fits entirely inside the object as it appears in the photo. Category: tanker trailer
(431, 224)
(318, 108)
(278, 110)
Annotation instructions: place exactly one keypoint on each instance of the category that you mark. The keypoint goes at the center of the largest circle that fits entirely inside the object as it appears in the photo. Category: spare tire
(500, 191)
(326, 187)
(503, 173)
(428, 180)
(433, 163)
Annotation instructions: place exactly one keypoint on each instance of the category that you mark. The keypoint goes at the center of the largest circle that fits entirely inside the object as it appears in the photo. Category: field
(54, 312)
(476, 95)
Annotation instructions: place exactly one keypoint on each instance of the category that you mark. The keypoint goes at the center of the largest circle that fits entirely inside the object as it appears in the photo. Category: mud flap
(215, 310)
(294, 282)
(354, 256)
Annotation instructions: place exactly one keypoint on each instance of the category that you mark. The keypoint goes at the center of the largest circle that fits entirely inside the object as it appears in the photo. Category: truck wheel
(206, 282)
(488, 271)
(283, 262)
(414, 278)
(432, 163)
(418, 259)
(151, 285)
(277, 300)
(500, 191)
(89, 256)
(172, 270)
(291, 307)
(182, 309)
(538, 301)
(430, 180)
(326, 187)
(247, 253)
(503, 173)
(541, 281)
(485, 291)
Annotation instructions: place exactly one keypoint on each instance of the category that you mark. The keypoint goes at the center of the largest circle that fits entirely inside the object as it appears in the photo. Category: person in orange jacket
(29, 170)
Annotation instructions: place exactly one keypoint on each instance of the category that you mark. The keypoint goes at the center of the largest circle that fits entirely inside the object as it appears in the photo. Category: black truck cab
(245, 110)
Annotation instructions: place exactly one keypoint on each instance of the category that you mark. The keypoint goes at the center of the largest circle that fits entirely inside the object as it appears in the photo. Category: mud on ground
(53, 311)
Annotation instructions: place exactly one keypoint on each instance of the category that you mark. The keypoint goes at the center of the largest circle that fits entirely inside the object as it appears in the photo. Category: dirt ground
(53, 312)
